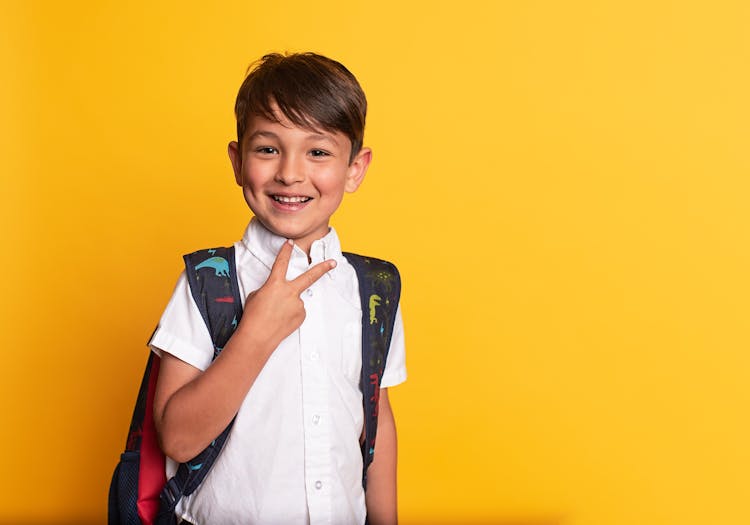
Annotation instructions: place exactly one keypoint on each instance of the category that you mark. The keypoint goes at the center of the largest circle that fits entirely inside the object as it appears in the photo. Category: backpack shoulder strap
(212, 276)
(379, 292)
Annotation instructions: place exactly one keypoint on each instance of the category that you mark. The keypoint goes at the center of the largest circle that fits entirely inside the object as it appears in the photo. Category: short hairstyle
(311, 90)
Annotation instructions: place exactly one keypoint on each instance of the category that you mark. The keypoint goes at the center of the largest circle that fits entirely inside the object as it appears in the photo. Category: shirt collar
(265, 245)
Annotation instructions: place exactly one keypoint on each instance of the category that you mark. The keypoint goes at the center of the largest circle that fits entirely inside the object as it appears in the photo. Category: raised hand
(191, 408)
(275, 310)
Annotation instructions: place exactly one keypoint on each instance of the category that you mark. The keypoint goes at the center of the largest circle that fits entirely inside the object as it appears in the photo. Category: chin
(287, 233)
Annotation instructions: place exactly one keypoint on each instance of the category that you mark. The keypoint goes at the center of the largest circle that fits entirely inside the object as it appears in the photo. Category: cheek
(254, 176)
(332, 194)
(331, 185)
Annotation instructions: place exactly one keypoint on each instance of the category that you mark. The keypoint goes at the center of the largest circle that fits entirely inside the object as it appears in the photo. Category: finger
(307, 279)
(281, 264)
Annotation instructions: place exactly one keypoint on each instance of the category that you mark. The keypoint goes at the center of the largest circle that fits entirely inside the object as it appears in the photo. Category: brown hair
(311, 90)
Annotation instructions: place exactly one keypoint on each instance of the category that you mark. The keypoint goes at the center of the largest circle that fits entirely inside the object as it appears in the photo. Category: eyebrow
(262, 133)
(310, 136)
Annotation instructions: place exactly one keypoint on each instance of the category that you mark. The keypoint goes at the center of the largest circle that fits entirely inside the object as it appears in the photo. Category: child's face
(294, 178)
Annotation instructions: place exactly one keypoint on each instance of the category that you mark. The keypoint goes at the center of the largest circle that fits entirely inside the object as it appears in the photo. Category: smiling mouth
(290, 200)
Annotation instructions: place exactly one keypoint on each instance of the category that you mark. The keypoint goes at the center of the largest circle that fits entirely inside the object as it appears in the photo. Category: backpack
(139, 492)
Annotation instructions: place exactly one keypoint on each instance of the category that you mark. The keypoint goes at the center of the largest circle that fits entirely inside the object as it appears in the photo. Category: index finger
(307, 279)
(281, 264)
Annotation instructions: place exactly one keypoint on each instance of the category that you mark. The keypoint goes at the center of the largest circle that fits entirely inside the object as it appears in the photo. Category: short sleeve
(395, 364)
(182, 331)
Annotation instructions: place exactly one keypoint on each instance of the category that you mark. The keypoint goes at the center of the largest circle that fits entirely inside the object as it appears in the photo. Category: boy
(291, 370)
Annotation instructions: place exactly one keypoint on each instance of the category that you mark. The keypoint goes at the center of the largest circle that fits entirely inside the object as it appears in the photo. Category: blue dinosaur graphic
(219, 265)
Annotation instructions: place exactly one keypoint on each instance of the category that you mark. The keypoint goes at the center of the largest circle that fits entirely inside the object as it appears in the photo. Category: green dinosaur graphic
(374, 301)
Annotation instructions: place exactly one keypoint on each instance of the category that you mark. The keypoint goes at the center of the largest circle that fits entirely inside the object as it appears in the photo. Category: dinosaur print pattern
(374, 302)
(218, 264)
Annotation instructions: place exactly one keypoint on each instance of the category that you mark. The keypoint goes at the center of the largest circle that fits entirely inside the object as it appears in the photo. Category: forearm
(191, 416)
(381, 495)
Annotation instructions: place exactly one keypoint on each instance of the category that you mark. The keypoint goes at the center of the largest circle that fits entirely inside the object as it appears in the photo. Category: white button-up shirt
(293, 455)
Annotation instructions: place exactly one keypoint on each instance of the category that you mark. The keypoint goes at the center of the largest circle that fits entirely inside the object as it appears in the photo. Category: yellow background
(563, 185)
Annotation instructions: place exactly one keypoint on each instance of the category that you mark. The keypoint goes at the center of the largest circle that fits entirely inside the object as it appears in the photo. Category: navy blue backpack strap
(379, 292)
(212, 276)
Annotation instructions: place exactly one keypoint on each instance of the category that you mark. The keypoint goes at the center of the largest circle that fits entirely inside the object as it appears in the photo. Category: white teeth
(280, 198)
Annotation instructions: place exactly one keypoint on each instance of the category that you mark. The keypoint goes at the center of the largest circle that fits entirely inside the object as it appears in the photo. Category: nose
(290, 170)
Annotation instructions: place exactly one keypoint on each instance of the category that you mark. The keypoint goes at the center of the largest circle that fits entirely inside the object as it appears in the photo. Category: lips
(289, 203)
(290, 199)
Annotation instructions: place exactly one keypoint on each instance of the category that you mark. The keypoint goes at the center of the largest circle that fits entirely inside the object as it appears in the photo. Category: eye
(266, 150)
(319, 153)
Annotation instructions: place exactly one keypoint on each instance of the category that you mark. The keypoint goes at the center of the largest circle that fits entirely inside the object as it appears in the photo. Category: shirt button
(316, 419)
(309, 292)
(314, 356)
(318, 485)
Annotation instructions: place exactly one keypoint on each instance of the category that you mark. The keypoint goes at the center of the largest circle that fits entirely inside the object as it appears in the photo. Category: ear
(235, 156)
(357, 170)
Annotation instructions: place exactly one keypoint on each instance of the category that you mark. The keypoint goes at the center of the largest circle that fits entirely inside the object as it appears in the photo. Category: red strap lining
(152, 475)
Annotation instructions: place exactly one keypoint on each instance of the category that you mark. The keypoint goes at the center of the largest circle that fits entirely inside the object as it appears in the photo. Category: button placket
(317, 439)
